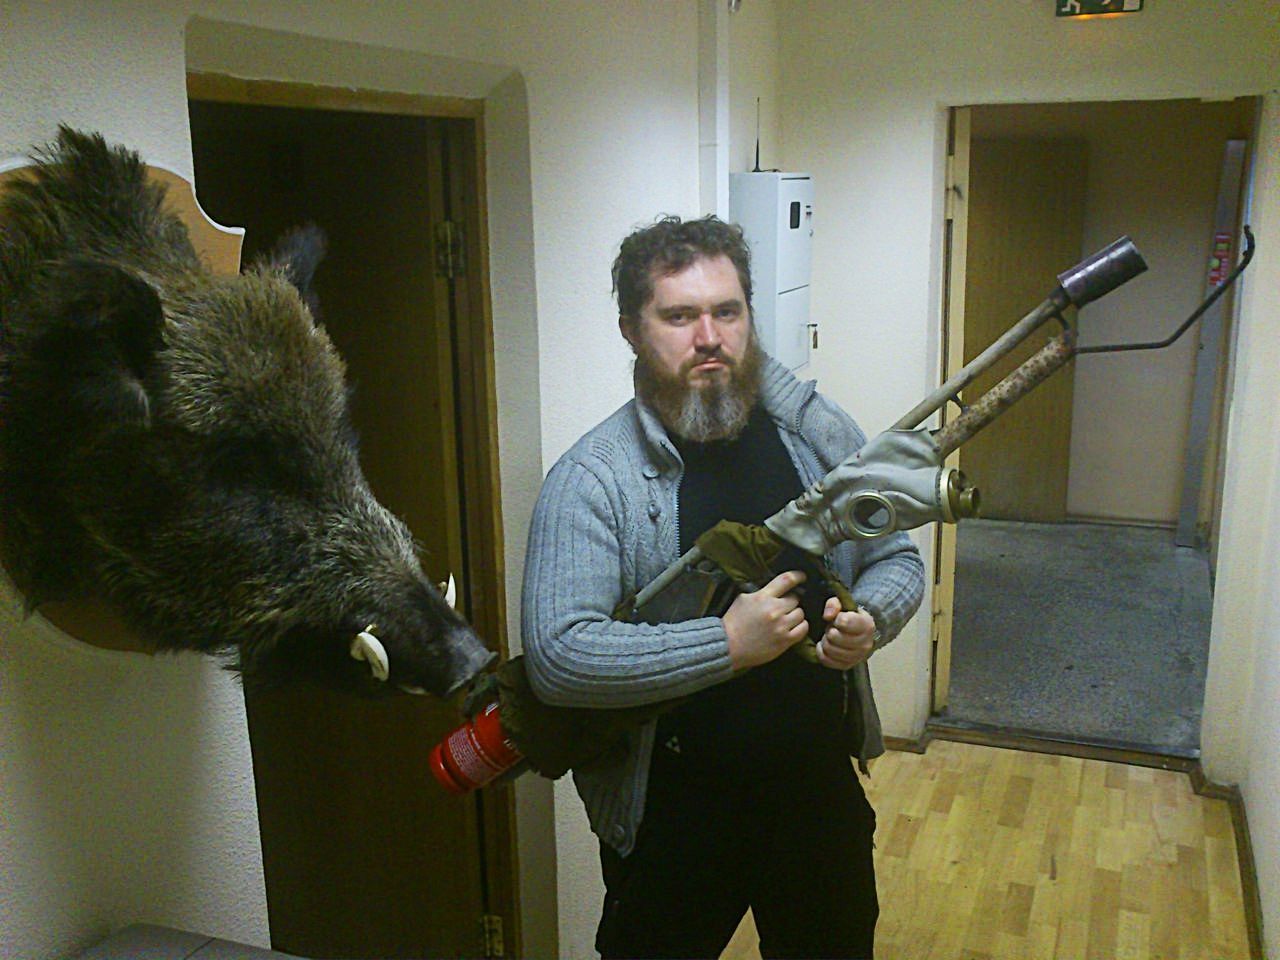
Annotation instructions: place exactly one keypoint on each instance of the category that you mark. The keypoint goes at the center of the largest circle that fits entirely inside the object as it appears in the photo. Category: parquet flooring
(993, 854)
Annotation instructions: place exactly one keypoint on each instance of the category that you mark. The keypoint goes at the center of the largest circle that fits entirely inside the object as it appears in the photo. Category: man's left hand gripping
(849, 638)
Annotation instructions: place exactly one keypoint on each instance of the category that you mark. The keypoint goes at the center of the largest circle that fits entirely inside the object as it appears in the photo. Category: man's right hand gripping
(763, 625)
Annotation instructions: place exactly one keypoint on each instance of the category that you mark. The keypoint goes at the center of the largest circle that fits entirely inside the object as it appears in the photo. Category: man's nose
(706, 335)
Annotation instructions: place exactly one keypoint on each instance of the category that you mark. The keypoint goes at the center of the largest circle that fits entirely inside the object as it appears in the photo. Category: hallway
(1086, 632)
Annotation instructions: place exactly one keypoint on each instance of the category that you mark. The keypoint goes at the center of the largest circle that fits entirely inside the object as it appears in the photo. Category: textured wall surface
(127, 791)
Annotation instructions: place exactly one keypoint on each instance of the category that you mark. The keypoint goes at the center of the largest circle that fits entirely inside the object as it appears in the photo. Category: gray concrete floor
(1087, 632)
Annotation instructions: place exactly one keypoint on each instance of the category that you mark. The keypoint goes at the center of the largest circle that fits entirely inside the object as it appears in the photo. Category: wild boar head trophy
(178, 443)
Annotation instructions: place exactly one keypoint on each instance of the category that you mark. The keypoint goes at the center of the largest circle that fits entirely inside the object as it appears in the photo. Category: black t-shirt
(773, 718)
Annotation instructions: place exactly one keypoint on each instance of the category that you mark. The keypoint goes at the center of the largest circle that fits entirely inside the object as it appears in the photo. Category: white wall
(127, 790)
(1154, 173)
(864, 93)
(1241, 730)
(753, 68)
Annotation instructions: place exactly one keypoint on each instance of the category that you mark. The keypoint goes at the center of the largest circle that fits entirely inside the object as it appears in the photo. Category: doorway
(364, 854)
(1073, 572)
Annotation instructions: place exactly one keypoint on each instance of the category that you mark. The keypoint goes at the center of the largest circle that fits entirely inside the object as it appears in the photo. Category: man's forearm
(891, 588)
(578, 655)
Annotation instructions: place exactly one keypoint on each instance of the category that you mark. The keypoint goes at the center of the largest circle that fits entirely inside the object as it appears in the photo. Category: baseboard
(1013, 738)
(904, 745)
(1116, 522)
(1244, 850)
(1202, 785)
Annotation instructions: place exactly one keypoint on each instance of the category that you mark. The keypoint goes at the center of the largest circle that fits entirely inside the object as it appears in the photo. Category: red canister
(474, 754)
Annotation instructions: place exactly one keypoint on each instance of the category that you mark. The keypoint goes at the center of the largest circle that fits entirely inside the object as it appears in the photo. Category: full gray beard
(716, 411)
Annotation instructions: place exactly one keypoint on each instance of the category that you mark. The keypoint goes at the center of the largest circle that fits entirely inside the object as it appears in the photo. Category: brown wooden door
(1026, 222)
(364, 854)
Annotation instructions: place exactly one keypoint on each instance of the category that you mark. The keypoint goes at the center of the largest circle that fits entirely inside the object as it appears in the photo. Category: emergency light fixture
(1095, 8)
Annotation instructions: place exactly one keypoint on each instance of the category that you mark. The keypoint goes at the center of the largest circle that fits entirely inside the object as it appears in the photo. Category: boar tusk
(369, 648)
(416, 691)
(450, 591)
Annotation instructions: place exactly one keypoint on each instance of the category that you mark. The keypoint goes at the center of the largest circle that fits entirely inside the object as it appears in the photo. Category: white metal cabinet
(775, 211)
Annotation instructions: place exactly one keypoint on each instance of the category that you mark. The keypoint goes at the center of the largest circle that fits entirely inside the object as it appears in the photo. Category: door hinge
(450, 258)
(491, 927)
(952, 188)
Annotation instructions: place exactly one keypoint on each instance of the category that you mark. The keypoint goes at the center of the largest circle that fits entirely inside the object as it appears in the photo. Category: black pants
(795, 849)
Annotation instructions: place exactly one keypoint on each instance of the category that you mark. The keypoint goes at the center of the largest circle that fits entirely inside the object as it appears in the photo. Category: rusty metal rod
(1095, 276)
(1031, 373)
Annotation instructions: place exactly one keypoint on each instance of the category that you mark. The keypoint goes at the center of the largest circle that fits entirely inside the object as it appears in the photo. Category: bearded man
(743, 795)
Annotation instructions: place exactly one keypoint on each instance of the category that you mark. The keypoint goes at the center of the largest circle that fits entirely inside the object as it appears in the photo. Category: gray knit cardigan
(606, 523)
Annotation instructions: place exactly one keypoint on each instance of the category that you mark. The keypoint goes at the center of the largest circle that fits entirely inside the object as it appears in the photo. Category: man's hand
(761, 626)
(848, 640)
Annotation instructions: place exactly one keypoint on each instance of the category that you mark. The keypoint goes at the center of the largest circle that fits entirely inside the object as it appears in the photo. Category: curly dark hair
(667, 246)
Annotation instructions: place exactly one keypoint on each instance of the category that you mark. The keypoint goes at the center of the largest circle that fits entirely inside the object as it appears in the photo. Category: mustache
(705, 355)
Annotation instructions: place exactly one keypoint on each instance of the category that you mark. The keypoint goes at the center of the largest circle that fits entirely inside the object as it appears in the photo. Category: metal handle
(1209, 301)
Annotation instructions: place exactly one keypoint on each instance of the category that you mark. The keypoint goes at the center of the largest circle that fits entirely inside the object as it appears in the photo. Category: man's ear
(630, 330)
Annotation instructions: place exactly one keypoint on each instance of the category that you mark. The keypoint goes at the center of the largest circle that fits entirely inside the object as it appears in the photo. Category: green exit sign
(1092, 8)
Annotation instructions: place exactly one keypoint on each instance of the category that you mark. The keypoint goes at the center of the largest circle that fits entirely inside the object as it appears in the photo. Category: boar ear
(106, 327)
(297, 254)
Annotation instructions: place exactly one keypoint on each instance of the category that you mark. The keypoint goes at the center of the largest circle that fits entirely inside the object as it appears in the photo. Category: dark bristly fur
(178, 443)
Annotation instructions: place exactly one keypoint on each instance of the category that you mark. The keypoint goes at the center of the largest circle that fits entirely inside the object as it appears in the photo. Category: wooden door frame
(469, 304)
(955, 251)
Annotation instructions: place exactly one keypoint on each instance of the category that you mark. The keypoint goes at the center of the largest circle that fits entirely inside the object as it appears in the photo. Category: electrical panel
(775, 211)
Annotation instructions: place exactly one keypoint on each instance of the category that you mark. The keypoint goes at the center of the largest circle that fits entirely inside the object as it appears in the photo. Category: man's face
(697, 362)
(696, 326)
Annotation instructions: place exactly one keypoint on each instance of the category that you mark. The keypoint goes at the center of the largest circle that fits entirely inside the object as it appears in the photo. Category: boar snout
(415, 641)
(466, 657)
(451, 660)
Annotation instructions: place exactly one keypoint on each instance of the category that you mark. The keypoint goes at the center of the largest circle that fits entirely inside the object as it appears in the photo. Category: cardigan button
(650, 471)
(655, 511)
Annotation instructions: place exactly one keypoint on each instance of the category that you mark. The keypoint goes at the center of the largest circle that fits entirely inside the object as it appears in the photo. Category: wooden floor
(990, 853)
